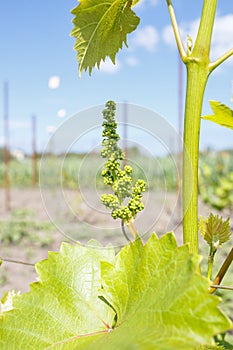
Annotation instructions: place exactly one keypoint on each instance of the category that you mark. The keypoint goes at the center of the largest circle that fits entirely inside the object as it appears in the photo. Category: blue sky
(36, 45)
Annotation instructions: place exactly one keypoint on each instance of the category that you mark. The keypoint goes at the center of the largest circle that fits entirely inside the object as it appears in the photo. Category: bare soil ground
(77, 216)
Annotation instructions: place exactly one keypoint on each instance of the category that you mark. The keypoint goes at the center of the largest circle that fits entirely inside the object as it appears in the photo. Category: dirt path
(77, 216)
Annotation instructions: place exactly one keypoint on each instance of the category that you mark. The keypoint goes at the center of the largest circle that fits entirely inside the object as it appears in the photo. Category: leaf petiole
(123, 230)
(220, 60)
(213, 250)
(176, 31)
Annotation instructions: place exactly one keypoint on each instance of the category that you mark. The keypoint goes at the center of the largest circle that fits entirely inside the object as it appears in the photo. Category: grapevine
(119, 179)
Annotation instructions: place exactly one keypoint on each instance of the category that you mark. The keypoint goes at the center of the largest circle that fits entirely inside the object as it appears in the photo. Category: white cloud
(143, 3)
(132, 61)
(154, 2)
(232, 91)
(61, 113)
(51, 129)
(168, 35)
(54, 82)
(146, 37)
(222, 34)
(2, 141)
(186, 29)
(108, 67)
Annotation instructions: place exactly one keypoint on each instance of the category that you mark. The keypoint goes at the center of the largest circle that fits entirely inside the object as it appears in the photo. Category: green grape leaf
(150, 297)
(214, 229)
(62, 303)
(135, 2)
(223, 115)
(100, 29)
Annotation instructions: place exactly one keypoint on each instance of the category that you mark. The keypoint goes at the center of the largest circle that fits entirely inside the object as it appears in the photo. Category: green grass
(22, 227)
(76, 170)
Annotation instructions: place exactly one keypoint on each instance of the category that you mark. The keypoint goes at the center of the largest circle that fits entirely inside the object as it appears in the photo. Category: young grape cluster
(119, 179)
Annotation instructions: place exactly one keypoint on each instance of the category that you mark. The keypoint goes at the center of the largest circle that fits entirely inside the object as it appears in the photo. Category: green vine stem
(197, 63)
(210, 265)
(196, 82)
(198, 72)
(132, 229)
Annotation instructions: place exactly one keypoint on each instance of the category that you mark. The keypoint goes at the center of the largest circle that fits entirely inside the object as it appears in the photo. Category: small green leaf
(214, 229)
(221, 341)
(100, 29)
(223, 115)
(225, 345)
